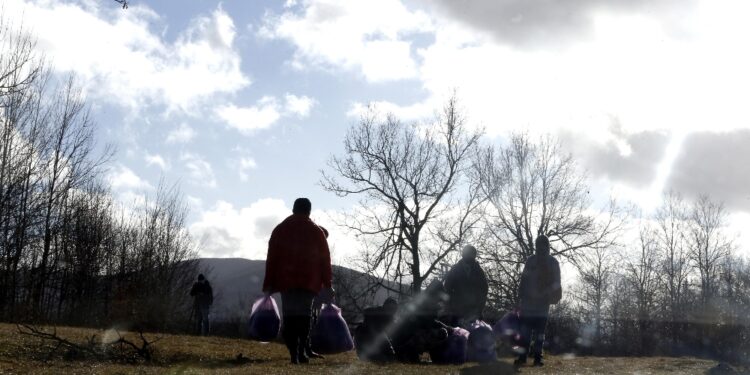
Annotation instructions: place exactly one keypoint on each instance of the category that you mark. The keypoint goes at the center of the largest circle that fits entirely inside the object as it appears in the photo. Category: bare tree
(708, 244)
(596, 269)
(671, 226)
(535, 188)
(408, 179)
(641, 271)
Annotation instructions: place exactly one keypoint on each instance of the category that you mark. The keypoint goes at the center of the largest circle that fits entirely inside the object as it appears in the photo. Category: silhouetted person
(373, 336)
(298, 265)
(203, 298)
(540, 287)
(466, 285)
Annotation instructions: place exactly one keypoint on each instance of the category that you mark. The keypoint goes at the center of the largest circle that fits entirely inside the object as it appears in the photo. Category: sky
(243, 102)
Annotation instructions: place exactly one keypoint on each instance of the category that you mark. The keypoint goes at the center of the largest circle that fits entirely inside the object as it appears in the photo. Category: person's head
(542, 245)
(201, 277)
(469, 252)
(390, 306)
(302, 206)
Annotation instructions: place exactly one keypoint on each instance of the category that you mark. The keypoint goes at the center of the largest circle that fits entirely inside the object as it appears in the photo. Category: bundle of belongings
(264, 320)
(331, 333)
(481, 342)
(404, 333)
(508, 329)
(372, 337)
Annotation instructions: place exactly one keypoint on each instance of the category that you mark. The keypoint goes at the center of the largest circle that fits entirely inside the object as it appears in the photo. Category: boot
(291, 338)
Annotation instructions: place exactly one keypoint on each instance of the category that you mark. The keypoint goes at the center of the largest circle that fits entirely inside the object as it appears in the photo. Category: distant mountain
(238, 282)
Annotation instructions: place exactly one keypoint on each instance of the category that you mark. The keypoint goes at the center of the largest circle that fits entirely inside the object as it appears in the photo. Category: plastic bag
(481, 342)
(264, 320)
(331, 333)
(508, 329)
(453, 349)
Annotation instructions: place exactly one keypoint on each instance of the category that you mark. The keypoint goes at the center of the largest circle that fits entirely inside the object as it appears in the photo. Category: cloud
(157, 160)
(365, 37)
(265, 113)
(298, 105)
(182, 134)
(228, 231)
(245, 165)
(199, 170)
(527, 23)
(123, 178)
(123, 59)
(715, 164)
(627, 157)
(630, 68)
(249, 119)
(244, 232)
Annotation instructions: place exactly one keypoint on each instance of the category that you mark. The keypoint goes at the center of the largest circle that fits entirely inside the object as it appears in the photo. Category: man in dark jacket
(203, 298)
(298, 265)
(539, 288)
(466, 285)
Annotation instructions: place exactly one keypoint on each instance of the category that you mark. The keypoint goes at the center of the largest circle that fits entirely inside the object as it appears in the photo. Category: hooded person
(203, 298)
(298, 266)
(539, 288)
(466, 285)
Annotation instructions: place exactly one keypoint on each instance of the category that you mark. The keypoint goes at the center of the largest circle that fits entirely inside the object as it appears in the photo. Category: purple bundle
(264, 320)
(453, 349)
(331, 334)
(481, 342)
(508, 329)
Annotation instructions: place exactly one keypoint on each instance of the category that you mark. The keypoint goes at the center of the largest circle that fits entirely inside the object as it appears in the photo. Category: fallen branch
(93, 348)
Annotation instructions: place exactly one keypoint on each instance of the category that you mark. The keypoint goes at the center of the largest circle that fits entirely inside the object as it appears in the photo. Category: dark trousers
(201, 319)
(532, 327)
(297, 312)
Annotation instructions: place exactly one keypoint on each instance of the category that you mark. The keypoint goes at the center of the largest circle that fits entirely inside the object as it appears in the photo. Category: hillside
(237, 282)
(178, 354)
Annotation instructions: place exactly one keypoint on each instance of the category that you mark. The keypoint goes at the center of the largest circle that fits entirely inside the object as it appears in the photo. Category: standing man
(539, 288)
(203, 298)
(298, 265)
(466, 285)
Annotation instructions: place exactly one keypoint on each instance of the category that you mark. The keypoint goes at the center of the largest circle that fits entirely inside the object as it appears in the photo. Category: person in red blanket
(298, 266)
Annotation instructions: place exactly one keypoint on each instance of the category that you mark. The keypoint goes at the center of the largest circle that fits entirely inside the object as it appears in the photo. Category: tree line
(670, 283)
(69, 252)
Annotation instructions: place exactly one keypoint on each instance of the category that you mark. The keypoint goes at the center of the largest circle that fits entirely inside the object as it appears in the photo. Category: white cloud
(630, 68)
(227, 231)
(182, 134)
(249, 119)
(123, 178)
(157, 160)
(367, 37)
(298, 105)
(245, 165)
(123, 59)
(200, 171)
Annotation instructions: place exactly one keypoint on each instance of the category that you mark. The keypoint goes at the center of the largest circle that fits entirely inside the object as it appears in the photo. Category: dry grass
(177, 354)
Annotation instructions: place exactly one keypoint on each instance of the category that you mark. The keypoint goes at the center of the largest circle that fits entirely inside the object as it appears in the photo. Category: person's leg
(297, 306)
(198, 320)
(308, 346)
(305, 319)
(289, 330)
(539, 326)
(205, 327)
(525, 340)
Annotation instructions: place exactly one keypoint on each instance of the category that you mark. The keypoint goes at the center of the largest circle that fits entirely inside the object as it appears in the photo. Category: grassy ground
(176, 354)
